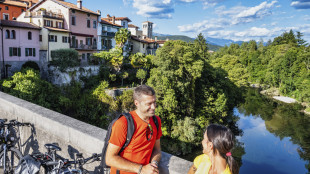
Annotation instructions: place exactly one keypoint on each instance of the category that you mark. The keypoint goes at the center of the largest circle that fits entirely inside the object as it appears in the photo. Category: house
(141, 40)
(79, 22)
(122, 21)
(10, 10)
(106, 34)
(53, 36)
(18, 44)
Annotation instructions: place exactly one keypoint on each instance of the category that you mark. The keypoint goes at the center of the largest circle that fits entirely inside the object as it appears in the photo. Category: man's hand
(149, 169)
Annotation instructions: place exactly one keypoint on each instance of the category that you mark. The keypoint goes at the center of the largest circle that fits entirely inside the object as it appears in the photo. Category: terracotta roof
(18, 24)
(68, 5)
(15, 3)
(132, 26)
(118, 19)
(161, 41)
(147, 40)
(103, 21)
(57, 29)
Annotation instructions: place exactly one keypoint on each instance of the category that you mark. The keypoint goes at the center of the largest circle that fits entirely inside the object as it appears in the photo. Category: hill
(212, 46)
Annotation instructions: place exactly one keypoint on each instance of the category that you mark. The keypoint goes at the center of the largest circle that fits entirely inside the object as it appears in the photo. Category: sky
(238, 20)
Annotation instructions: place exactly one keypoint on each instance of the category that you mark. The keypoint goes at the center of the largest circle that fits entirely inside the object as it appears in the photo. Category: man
(143, 153)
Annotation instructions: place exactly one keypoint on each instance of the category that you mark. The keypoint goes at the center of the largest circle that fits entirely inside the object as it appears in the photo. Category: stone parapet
(72, 135)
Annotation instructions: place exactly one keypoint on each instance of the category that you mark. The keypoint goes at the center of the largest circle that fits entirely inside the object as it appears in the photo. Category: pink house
(19, 43)
(81, 23)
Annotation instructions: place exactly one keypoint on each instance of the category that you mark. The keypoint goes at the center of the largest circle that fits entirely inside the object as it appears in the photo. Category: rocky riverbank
(275, 94)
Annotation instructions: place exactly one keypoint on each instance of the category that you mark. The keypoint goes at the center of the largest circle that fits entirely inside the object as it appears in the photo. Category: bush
(65, 58)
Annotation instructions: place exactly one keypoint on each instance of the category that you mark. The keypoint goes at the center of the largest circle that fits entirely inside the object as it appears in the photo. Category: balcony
(44, 14)
(84, 47)
(108, 34)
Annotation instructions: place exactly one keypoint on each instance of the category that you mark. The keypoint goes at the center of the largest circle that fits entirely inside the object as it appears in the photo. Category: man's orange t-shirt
(139, 149)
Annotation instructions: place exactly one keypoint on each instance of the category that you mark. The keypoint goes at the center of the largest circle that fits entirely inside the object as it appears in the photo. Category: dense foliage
(65, 58)
(190, 93)
(283, 63)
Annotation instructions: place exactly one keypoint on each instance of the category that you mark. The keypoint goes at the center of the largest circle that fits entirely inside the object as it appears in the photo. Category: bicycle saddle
(52, 147)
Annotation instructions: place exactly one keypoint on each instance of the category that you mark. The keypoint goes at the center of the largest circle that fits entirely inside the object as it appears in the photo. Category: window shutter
(19, 52)
(55, 38)
(34, 52)
(26, 52)
(69, 40)
(11, 51)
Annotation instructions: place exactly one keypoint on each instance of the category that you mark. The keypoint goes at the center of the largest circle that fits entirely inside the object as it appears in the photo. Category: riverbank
(275, 94)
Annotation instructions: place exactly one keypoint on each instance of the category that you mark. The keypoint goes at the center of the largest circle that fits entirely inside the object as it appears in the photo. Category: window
(124, 24)
(6, 7)
(30, 52)
(23, 10)
(7, 34)
(29, 35)
(40, 37)
(83, 56)
(5, 16)
(88, 41)
(64, 39)
(73, 20)
(60, 25)
(47, 23)
(143, 45)
(88, 56)
(52, 38)
(94, 24)
(88, 23)
(14, 51)
(109, 28)
(73, 11)
(13, 34)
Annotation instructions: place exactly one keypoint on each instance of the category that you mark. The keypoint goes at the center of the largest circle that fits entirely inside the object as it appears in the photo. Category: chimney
(113, 20)
(30, 4)
(108, 16)
(99, 12)
(155, 38)
(79, 4)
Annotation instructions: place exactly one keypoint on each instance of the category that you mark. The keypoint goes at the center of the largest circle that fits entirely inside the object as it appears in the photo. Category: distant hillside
(212, 46)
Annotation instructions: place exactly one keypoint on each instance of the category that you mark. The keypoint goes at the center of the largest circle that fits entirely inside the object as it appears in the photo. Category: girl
(216, 158)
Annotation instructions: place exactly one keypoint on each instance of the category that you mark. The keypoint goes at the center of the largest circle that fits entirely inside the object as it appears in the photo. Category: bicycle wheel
(12, 158)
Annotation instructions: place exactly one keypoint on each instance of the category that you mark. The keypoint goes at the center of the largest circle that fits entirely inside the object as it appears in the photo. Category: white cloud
(154, 8)
(301, 4)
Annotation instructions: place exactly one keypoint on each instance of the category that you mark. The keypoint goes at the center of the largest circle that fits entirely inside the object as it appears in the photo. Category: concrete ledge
(72, 135)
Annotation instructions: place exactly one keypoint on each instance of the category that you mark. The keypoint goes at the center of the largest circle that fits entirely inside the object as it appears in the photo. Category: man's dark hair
(143, 89)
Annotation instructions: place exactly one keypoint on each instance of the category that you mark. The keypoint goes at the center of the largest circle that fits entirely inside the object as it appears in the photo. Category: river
(276, 136)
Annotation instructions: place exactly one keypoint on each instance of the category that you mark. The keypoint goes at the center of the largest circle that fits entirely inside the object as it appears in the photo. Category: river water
(276, 136)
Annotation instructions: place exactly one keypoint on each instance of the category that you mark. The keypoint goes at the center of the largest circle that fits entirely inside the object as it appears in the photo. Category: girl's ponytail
(233, 165)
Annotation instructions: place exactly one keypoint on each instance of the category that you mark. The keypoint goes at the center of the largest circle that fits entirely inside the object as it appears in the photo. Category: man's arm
(114, 160)
(156, 154)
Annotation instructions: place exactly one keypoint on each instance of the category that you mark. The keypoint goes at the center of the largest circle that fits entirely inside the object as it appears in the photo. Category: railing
(46, 14)
(108, 34)
(84, 47)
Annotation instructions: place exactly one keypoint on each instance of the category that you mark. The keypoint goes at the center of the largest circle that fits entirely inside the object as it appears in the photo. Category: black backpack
(130, 131)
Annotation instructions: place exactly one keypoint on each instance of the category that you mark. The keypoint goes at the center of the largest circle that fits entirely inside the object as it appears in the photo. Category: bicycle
(9, 154)
(55, 164)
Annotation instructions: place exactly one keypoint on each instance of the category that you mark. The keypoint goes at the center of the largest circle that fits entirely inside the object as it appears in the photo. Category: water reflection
(276, 136)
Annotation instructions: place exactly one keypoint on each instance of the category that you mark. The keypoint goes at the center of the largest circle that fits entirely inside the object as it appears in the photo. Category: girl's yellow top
(203, 165)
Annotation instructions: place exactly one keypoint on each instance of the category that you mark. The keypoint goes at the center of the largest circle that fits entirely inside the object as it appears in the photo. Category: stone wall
(72, 135)
(62, 78)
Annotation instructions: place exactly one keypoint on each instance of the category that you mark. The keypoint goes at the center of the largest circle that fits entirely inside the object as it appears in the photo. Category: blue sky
(239, 20)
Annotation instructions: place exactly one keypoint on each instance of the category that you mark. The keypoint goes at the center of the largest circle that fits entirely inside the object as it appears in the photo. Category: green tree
(200, 44)
(121, 37)
(141, 74)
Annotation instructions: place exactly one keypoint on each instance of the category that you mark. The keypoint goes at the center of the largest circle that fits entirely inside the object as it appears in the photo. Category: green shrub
(65, 58)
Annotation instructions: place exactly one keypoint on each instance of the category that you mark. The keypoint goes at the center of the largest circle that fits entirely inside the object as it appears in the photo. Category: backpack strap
(130, 130)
